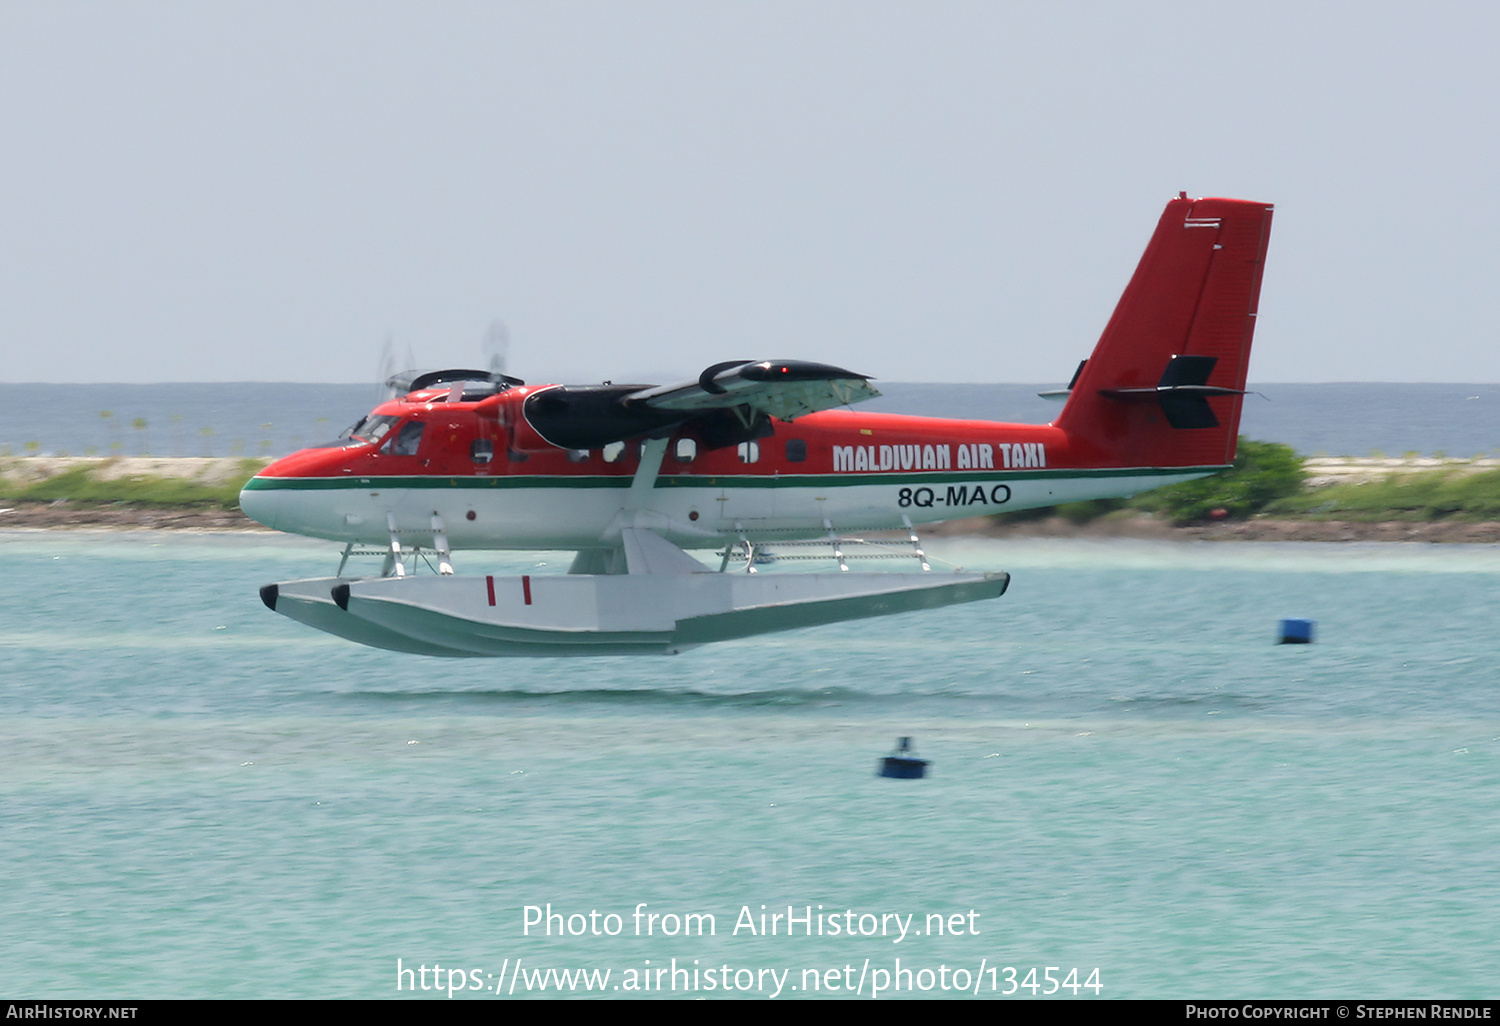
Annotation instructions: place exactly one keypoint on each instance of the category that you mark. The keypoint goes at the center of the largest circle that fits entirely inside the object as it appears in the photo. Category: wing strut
(642, 550)
(646, 473)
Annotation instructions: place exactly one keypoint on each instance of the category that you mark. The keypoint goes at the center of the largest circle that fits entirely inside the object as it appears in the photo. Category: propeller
(390, 375)
(496, 349)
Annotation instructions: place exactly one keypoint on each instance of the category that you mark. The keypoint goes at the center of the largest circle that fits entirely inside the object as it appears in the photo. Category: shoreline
(192, 493)
(57, 516)
(60, 516)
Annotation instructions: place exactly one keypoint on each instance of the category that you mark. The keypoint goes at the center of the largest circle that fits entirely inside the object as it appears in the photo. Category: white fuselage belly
(579, 513)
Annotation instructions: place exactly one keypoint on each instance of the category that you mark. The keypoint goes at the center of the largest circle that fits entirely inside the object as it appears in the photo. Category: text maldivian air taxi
(629, 477)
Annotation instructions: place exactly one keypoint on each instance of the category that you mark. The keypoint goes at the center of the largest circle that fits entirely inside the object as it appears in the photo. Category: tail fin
(1164, 385)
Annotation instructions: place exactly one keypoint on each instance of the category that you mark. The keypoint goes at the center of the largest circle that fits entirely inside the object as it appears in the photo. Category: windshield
(369, 429)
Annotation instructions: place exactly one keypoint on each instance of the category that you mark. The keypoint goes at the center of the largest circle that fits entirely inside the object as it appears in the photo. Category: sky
(928, 191)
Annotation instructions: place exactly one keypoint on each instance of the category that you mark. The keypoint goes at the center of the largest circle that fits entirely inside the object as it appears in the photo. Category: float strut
(393, 565)
(440, 545)
(916, 543)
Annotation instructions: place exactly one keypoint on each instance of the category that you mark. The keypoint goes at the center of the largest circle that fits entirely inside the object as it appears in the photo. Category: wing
(729, 403)
(784, 389)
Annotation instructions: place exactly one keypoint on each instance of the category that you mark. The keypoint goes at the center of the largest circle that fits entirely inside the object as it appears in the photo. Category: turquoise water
(199, 798)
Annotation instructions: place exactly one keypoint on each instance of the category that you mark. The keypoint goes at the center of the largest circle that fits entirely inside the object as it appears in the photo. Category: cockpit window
(407, 439)
(369, 429)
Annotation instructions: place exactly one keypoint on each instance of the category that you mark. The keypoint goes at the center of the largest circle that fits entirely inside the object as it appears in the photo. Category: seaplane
(750, 455)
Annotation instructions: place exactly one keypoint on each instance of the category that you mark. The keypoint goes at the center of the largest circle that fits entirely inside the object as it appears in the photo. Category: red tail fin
(1164, 385)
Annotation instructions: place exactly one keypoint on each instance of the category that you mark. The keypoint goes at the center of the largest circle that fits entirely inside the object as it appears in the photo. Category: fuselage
(628, 476)
(495, 482)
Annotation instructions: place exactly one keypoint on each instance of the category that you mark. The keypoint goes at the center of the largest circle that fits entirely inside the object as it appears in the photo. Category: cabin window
(481, 450)
(407, 440)
(613, 451)
(796, 450)
(749, 452)
(578, 455)
(686, 450)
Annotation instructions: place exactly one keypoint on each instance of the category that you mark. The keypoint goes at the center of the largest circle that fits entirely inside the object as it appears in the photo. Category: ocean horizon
(270, 419)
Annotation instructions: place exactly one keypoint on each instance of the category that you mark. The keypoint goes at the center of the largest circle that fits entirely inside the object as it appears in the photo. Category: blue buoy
(1296, 632)
(901, 764)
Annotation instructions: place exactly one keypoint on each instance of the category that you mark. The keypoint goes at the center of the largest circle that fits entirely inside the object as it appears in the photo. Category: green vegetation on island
(1447, 493)
(1269, 479)
(1263, 473)
(98, 483)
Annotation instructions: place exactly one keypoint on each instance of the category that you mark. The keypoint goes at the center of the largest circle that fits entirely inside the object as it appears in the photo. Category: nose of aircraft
(279, 496)
(258, 504)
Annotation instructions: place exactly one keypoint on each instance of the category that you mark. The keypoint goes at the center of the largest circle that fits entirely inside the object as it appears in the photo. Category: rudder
(1165, 383)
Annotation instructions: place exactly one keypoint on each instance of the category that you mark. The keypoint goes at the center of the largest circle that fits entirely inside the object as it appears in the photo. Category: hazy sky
(934, 191)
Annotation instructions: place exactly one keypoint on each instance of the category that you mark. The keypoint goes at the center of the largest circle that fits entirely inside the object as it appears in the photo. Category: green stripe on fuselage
(263, 484)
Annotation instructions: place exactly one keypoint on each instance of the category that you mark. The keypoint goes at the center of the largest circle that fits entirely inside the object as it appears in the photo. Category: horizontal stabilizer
(1182, 392)
(1060, 394)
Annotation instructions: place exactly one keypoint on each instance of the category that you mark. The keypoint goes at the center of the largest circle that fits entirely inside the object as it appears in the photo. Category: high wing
(784, 389)
(729, 403)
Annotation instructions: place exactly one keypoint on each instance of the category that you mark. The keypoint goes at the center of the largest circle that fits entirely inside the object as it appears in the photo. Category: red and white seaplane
(630, 477)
